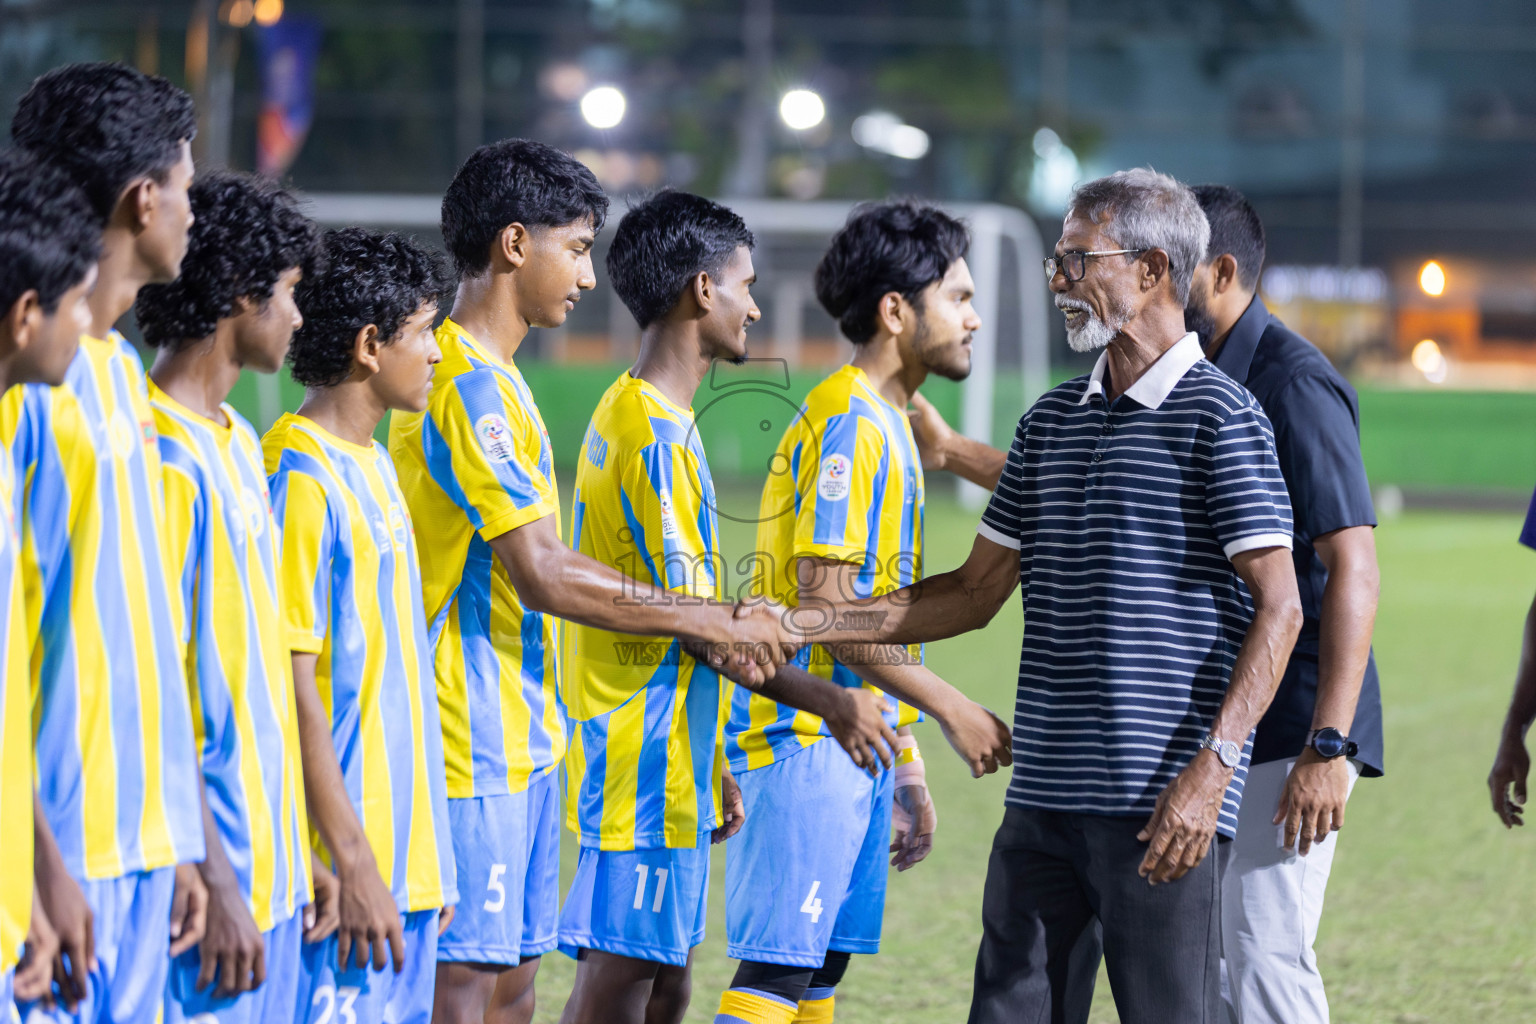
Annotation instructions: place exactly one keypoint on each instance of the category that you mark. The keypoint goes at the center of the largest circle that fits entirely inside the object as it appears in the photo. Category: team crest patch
(836, 477)
(120, 435)
(495, 437)
(254, 509)
(397, 525)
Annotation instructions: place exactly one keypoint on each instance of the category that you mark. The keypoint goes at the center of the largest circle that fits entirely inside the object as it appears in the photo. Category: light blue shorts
(272, 1003)
(132, 922)
(807, 871)
(645, 904)
(507, 851)
(364, 994)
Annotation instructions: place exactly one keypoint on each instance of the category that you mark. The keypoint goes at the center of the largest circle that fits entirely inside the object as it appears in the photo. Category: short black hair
(515, 181)
(900, 245)
(107, 125)
(49, 236)
(368, 277)
(1235, 229)
(248, 231)
(664, 243)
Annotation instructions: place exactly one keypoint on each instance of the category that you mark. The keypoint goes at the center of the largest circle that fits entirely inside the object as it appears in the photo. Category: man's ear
(365, 349)
(513, 244)
(1154, 268)
(141, 200)
(20, 323)
(1224, 274)
(703, 290)
(892, 312)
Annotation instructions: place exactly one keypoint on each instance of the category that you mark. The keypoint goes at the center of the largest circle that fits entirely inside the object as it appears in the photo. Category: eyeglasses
(1075, 264)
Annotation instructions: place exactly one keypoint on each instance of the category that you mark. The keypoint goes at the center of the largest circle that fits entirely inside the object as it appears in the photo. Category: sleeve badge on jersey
(668, 519)
(836, 477)
(495, 437)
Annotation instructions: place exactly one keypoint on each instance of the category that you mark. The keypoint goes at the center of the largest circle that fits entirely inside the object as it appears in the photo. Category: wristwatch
(1229, 753)
(1330, 743)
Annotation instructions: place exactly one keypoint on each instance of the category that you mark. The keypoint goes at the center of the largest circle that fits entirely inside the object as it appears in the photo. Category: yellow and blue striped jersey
(15, 736)
(352, 596)
(646, 719)
(112, 727)
(478, 464)
(222, 543)
(855, 483)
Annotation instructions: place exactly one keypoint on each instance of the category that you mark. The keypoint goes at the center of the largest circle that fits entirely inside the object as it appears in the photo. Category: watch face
(1329, 743)
(1230, 754)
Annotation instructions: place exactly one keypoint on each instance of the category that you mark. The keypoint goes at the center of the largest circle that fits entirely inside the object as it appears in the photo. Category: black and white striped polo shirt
(1126, 517)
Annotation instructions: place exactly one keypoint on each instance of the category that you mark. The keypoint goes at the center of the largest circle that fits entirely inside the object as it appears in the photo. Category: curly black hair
(247, 232)
(665, 242)
(48, 232)
(369, 277)
(107, 125)
(899, 245)
(515, 181)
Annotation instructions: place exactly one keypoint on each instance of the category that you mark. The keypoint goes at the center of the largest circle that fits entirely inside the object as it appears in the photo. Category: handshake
(762, 636)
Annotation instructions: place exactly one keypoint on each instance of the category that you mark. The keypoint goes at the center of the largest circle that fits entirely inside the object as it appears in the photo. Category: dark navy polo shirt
(1316, 417)
(1126, 517)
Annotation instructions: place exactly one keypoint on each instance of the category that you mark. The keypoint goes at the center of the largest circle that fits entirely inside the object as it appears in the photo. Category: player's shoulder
(290, 447)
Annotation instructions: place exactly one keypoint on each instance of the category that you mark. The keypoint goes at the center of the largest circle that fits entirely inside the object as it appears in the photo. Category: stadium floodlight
(802, 109)
(884, 132)
(1432, 279)
(603, 107)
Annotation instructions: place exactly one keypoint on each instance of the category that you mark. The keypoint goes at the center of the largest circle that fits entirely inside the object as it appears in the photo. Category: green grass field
(1432, 906)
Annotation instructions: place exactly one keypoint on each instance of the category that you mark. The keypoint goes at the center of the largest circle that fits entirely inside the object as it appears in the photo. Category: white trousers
(1271, 903)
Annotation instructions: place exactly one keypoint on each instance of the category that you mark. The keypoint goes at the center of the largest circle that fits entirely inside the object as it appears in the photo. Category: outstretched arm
(980, 738)
(550, 577)
(943, 447)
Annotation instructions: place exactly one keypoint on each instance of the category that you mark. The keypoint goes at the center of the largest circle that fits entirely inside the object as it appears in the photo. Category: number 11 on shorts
(661, 888)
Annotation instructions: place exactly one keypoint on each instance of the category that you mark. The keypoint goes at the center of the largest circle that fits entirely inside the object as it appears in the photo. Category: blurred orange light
(237, 13)
(268, 12)
(1432, 278)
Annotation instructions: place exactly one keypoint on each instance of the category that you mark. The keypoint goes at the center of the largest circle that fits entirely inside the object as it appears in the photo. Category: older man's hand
(1179, 833)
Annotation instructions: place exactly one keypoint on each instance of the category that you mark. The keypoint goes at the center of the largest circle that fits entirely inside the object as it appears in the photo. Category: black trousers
(1050, 878)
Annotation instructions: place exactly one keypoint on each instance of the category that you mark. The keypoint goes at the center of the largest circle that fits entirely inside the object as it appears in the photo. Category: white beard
(1091, 334)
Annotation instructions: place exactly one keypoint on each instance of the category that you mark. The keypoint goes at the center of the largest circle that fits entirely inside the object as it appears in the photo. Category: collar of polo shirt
(1152, 387)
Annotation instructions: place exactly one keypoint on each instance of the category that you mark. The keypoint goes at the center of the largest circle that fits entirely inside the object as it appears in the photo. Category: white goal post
(992, 225)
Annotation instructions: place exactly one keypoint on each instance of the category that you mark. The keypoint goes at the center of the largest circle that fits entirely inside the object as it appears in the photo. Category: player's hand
(189, 908)
(1183, 824)
(1312, 802)
(232, 951)
(733, 810)
(914, 819)
(859, 726)
(444, 919)
(982, 740)
(370, 921)
(74, 924)
(1511, 767)
(33, 980)
(762, 637)
(322, 917)
(931, 432)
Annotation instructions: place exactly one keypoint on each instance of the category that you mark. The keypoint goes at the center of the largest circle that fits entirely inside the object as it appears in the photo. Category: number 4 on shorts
(812, 904)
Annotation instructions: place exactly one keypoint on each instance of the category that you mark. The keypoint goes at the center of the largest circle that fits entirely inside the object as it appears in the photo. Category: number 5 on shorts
(812, 904)
(495, 903)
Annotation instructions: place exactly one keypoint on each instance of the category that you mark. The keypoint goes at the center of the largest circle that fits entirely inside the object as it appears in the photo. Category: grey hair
(1142, 209)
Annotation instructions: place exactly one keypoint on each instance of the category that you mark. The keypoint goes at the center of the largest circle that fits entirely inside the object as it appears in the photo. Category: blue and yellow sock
(816, 1006)
(749, 1006)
